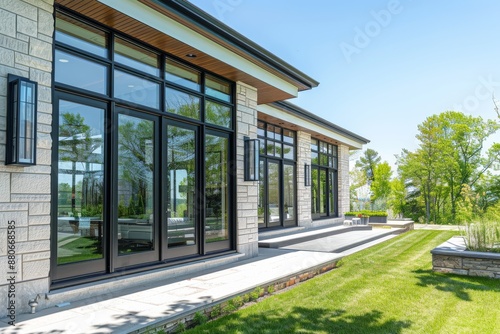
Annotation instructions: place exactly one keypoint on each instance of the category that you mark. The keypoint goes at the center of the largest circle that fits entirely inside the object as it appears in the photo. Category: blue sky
(383, 66)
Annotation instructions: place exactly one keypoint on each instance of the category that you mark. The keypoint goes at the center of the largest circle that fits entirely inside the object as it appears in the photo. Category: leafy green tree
(398, 197)
(450, 155)
(381, 185)
(464, 137)
(367, 163)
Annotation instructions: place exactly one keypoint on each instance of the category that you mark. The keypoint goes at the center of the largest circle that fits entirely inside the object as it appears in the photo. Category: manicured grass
(389, 288)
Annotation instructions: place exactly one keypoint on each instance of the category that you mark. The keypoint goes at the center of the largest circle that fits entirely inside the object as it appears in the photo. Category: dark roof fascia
(292, 108)
(209, 23)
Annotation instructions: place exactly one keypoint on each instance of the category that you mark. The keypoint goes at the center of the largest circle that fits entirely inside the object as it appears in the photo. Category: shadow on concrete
(456, 284)
(306, 320)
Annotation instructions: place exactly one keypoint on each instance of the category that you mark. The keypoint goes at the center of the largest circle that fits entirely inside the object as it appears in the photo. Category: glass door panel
(216, 193)
(323, 188)
(182, 230)
(273, 194)
(136, 230)
(80, 189)
(314, 192)
(262, 194)
(332, 207)
(289, 193)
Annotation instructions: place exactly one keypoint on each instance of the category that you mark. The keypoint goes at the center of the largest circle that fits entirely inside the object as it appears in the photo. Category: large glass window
(136, 57)
(182, 75)
(145, 148)
(324, 179)
(182, 103)
(277, 193)
(135, 184)
(216, 189)
(181, 207)
(80, 187)
(80, 35)
(80, 72)
(136, 89)
(218, 88)
(218, 114)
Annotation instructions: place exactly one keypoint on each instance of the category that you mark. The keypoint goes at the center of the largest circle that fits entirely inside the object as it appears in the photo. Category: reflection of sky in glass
(79, 72)
(99, 50)
(137, 90)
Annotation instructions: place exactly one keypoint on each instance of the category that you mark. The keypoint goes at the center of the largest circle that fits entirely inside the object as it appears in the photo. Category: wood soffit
(140, 31)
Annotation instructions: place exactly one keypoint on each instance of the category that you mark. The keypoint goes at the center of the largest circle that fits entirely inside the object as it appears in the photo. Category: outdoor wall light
(251, 159)
(21, 121)
(307, 175)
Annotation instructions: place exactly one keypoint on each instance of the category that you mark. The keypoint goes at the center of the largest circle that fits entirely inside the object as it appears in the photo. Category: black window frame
(162, 117)
(266, 140)
(330, 168)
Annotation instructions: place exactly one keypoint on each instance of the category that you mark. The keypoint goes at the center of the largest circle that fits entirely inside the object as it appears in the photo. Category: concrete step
(339, 243)
(307, 235)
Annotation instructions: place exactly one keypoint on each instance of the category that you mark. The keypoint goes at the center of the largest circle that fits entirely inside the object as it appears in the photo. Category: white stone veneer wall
(343, 174)
(303, 192)
(26, 29)
(247, 193)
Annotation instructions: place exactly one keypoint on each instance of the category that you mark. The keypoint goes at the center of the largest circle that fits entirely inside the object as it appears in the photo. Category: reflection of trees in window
(181, 167)
(289, 192)
(216, 188)
(183, 104)
(217, 114)
(82, 145)
(136, 164)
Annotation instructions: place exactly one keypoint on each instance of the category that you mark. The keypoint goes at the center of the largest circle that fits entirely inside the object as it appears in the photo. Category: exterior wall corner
(247, 191)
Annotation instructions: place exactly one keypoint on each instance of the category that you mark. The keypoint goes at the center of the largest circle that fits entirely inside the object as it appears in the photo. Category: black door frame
(96, 266)
(122, 261)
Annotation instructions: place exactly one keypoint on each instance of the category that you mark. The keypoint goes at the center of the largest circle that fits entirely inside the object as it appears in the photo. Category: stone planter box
(452, 257)
(371, 219)
(364, 220)
(378, 219)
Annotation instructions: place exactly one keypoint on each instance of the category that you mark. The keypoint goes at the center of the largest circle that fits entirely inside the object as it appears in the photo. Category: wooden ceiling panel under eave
(140, 31)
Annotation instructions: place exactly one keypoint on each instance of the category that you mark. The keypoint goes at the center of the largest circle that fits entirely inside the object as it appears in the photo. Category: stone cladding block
(247, 191)
(26, 44)
(343, 175)
(303, 191)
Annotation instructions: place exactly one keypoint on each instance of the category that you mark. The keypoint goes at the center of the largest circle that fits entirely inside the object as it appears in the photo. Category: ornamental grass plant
(482, 236)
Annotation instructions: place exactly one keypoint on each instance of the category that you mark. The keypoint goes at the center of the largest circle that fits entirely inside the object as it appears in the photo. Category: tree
(450, 155)
(381, 185)
(398, 197)
(367, 163)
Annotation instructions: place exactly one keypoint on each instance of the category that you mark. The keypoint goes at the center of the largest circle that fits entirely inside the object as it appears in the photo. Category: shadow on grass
(305, 320)
(456, 284)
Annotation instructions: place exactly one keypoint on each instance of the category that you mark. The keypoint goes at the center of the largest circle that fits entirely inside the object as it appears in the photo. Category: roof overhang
(295, 118)
(180, 28)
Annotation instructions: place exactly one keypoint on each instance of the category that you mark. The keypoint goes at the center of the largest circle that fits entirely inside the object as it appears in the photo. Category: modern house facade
(158, 137)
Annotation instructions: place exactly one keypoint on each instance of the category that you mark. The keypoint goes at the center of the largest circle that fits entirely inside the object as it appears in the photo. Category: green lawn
(389, 288)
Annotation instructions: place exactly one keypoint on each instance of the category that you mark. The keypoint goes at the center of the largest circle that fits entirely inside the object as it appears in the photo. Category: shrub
(216, 311)
(367, 213)
(199, 318)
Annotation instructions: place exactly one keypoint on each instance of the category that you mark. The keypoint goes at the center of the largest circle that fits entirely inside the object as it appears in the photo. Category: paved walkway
(150, 305)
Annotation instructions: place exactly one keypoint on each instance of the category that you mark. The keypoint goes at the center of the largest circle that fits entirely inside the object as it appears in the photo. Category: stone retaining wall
(214, 310)
(451, 257)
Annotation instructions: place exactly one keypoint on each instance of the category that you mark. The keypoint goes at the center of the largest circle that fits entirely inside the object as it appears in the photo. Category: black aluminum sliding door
(135, 228)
